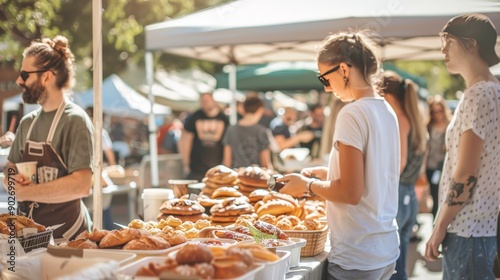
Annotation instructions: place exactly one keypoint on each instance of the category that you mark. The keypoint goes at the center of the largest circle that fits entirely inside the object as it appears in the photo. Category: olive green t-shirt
(72, 138)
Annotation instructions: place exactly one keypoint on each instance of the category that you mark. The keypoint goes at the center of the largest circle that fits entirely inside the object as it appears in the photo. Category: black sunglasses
(324, 81)
(26, 74)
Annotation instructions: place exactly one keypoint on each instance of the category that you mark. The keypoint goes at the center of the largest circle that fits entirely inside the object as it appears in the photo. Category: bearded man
(58, 136)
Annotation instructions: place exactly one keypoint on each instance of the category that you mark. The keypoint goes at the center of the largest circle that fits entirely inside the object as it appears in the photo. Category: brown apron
(73, 214)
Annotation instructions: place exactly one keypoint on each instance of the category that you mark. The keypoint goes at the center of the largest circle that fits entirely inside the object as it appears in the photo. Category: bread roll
(4, 229)
(228, 268)
(280, 196)
(82, 244)
(259, 252)
(96, 235)
(147, 243)
(194, 253)
(119, 237)
(275, 208)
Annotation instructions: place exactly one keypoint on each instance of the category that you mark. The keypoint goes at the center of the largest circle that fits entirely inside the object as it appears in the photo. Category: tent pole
(233, 118)
(97, 77)
(153, 147)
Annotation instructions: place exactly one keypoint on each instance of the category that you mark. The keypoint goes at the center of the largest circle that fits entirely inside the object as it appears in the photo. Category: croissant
(119, 237)
(147, 243)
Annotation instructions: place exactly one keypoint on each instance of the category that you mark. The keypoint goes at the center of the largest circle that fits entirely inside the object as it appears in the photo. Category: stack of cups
(152, 199)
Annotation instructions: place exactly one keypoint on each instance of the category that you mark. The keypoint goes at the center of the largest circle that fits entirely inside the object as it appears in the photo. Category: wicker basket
(316, 240)
(35, 241)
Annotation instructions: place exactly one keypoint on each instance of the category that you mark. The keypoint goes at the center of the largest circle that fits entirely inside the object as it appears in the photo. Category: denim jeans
(468, 258)
(406, 219)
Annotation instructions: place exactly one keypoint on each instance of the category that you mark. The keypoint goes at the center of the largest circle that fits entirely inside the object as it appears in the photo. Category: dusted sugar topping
(254, 172)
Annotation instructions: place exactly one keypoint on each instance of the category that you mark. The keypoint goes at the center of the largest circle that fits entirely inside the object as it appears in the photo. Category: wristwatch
(308, 186)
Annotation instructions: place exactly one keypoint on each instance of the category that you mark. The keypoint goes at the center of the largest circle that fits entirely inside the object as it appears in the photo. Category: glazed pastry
(270, 229)
(178, 206)
(254, 176)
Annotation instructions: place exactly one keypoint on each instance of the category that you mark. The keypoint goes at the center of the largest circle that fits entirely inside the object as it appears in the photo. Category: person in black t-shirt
(201, 138)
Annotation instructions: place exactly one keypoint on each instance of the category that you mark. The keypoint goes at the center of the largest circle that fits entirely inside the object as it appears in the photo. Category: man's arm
(73, 186)
(290, 142)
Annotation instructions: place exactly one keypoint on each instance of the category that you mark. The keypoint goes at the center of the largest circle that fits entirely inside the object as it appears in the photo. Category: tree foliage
(438, 78)
(123, 21)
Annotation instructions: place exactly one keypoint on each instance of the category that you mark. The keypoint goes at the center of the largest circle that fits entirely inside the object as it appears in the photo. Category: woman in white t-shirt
(360, 184)
(466, 222)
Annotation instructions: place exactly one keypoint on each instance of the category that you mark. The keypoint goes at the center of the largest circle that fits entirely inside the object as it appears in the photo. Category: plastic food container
(295, 252)
(275, 270)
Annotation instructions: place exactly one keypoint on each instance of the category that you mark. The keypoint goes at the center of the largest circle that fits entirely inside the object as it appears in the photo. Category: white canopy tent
(257, 31)
(119, 99)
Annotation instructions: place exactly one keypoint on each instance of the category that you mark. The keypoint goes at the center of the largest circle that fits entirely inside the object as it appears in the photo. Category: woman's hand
(295, 184)
(315, 172)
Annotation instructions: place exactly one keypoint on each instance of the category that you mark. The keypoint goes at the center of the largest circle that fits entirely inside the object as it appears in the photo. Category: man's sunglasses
(26, 74)
(324, 81)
